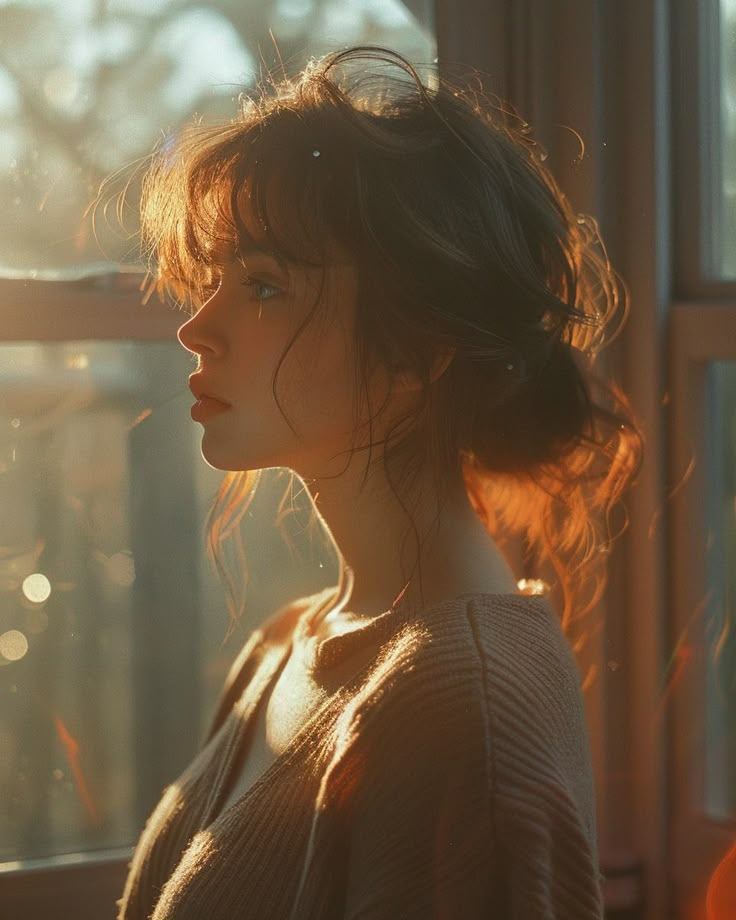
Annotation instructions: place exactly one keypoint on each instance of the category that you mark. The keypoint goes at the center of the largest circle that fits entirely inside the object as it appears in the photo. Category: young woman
(412, 744)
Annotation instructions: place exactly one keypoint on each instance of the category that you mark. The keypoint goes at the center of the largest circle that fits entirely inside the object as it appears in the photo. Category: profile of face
(239, 335)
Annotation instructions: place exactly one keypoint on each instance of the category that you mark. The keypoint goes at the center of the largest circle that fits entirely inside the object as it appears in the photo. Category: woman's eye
(262, 289)
(254, 283)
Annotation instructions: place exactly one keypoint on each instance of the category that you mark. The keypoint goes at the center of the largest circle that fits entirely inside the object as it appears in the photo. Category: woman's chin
(217, 457)
(220, 458)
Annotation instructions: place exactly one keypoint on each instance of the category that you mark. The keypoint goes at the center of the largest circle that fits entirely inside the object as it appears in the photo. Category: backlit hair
(463, 240)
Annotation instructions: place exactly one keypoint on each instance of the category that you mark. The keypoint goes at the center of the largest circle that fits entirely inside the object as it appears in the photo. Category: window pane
(112, 618)
(723, 83)
(720, 638)
(87, 88)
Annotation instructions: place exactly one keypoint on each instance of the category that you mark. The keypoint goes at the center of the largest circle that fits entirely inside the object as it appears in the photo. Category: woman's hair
(464, 245)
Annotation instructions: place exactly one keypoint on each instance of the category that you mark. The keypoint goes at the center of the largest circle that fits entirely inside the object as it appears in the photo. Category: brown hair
(463, 241)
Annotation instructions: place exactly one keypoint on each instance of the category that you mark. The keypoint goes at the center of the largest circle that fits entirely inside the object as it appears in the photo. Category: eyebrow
(254, 253)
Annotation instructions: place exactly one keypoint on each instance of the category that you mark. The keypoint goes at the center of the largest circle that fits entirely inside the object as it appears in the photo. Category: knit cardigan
(449, 779)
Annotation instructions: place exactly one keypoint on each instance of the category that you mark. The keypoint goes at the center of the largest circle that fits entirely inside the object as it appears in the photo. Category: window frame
(699, 334)
(38, 889)
(96, 307)
(702, 330)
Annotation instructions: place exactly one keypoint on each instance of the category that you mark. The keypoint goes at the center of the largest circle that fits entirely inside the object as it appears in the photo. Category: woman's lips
(197, 384)
(207, 407)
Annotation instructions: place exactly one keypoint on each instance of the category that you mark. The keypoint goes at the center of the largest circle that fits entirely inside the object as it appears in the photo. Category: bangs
(217, 191)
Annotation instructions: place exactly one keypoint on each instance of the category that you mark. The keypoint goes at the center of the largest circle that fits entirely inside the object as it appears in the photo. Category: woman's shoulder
(488, 629)
(497, 666)
(514, 648)
(443, 650)
(465, 636)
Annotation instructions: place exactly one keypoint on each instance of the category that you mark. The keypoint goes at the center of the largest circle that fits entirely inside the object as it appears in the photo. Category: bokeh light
(37, 588)
(13, 645)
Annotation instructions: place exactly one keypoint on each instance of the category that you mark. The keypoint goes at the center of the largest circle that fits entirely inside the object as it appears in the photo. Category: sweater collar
(321, 653)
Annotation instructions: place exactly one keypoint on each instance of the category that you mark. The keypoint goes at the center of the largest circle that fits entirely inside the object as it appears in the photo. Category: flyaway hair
(464, 245)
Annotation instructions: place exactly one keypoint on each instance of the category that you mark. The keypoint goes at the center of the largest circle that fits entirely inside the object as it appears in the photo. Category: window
(112, 620)
(702, 671)
(86, 89)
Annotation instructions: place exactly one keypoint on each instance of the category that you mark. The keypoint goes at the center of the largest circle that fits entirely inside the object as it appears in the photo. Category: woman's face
(239, 335)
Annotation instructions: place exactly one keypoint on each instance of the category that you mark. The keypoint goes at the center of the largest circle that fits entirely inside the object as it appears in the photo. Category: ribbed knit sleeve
(543, 795)
(473, 794)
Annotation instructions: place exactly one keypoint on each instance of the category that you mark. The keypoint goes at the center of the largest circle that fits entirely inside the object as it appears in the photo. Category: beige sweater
(450, 779)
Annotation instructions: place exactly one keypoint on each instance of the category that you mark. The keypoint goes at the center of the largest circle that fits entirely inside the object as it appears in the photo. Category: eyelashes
(211, 288)
(256, 283)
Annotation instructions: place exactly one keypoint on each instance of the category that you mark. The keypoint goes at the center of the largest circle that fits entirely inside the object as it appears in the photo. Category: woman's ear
(443, 359)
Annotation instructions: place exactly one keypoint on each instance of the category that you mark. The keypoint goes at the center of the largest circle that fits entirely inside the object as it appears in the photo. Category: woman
(399, 260)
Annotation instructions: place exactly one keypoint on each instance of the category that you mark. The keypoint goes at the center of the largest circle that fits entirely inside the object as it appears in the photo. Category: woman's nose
(186, 336)
(197, 336)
